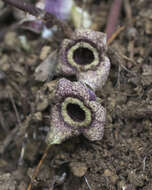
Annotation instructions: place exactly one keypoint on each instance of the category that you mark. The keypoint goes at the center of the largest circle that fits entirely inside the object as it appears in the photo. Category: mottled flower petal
(63, 66)
(59, 130)
(96, 79)
(67, 88)
(84, 55)
(75, 112)
(98, 38)
(96, 131)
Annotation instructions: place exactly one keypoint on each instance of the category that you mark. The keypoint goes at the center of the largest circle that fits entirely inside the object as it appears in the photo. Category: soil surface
(122, 160)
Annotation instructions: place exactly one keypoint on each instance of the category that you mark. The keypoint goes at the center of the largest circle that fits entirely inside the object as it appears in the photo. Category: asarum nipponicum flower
(60, 8)
(75, 111)
(84, 55)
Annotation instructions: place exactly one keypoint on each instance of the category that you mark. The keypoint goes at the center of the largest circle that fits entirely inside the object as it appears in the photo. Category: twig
(115, 34)
(16, 134)
(144, 163)
(3, 124)
(12, 133)
(128, 11)
(87, 183)
(141, 111)
(131, 29)
(31, 9)
(8, 139)
(36, 171)
(20, 160)
(113, 17)
(15, 109)
(118, 77)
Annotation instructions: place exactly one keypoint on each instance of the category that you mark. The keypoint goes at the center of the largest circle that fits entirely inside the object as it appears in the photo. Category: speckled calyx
(84, 55)
(75, 111)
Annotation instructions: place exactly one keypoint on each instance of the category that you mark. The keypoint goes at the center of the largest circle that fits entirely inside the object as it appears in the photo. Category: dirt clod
(78, 169)
(7, 182)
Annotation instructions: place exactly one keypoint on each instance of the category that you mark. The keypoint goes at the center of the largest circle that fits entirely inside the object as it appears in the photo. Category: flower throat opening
(83, 56)
(75, 112)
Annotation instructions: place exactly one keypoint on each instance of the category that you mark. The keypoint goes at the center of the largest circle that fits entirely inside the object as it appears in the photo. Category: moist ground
(122, 160)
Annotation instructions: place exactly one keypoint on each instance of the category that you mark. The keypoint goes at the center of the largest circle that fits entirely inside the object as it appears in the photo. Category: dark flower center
(75, 112)
(83, 56)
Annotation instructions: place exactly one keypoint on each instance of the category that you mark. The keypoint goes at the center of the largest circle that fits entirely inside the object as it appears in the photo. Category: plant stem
(113, 17)
(27, 7)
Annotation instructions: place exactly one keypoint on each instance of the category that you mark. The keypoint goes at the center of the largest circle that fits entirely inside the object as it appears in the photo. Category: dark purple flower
(74, 113)
(84, 55)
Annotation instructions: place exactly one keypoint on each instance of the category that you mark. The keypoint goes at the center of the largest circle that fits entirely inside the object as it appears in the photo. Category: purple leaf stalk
(113, 17)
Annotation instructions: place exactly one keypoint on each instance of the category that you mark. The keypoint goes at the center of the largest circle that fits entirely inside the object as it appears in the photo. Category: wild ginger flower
(75, 111)
(84, 55)
(60, 8)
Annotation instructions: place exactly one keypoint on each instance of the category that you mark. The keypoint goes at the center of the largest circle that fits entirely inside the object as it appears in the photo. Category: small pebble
(11, 39)
(78, 169)
(45, 52)
(111, 175)
(7, 182)
(38, 116)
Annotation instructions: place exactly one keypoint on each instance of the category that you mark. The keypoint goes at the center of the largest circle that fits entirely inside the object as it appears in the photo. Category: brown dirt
(122, 160)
